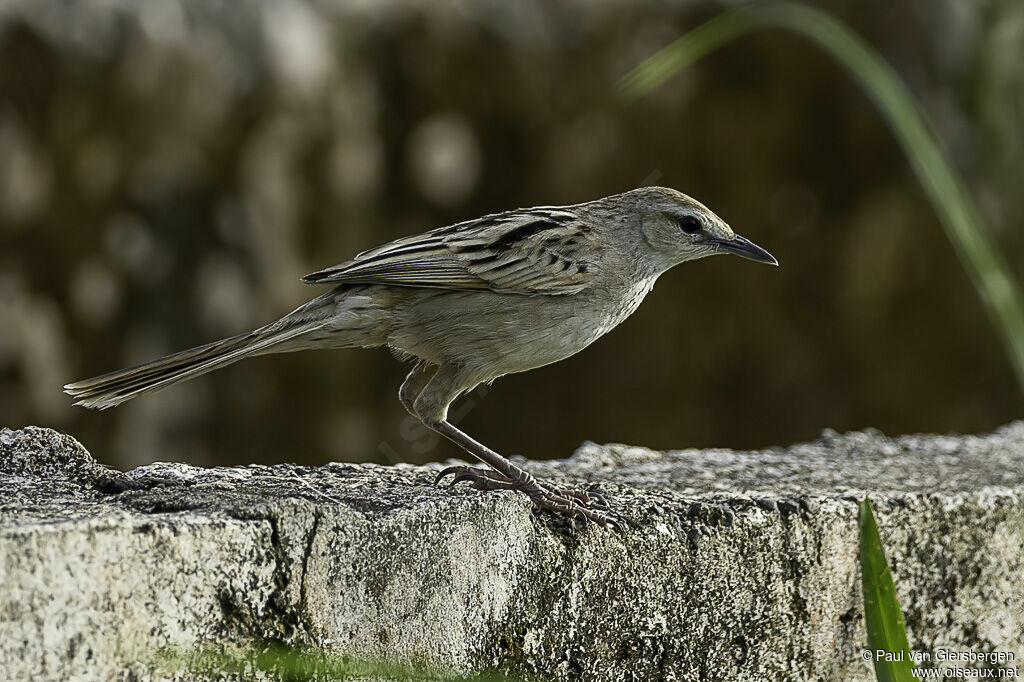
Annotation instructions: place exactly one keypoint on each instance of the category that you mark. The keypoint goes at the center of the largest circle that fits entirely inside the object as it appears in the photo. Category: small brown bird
(474, 301)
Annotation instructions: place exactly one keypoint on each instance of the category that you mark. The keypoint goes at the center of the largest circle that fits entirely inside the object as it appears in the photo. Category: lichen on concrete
(738, 565)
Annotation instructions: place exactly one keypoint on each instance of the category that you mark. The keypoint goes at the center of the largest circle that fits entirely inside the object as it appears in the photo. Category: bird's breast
(621, 307)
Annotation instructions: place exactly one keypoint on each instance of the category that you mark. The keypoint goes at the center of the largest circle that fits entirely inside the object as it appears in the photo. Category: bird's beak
(741, 246)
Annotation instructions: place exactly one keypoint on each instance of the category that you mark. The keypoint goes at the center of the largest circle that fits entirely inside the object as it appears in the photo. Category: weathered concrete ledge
(743, 565)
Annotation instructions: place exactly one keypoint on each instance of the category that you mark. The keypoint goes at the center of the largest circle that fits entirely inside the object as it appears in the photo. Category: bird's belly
(503, 334)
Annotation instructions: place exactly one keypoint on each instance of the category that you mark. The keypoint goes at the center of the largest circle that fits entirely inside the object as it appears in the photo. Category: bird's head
(677, 229)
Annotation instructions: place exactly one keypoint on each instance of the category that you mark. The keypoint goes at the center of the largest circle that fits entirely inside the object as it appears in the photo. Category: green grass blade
(269, 661)
(882, 614)
(969, 236)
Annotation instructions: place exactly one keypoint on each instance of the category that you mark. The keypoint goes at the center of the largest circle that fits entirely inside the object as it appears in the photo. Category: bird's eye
(689, 224)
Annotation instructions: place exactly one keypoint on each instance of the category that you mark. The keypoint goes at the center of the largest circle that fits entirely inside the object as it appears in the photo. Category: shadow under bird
(471, 302)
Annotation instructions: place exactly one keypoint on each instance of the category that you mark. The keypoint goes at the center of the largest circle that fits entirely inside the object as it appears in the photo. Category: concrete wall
(740, 565)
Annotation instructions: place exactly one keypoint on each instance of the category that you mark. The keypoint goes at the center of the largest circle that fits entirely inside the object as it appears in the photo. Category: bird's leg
(483, 479)
(415, 382)
(431, 407)
(544, 494)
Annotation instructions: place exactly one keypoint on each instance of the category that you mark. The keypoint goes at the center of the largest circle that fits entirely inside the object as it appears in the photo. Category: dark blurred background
(169, 170)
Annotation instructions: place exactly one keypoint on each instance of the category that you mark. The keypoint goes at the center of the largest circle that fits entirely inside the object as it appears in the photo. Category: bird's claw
(444, 472)
(586, 505)
(482, 479)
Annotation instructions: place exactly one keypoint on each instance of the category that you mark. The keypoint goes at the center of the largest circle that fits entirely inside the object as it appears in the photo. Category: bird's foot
(585, 504)
(488, 479)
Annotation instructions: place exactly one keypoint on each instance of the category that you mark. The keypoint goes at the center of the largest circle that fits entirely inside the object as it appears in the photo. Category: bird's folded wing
(534, 251)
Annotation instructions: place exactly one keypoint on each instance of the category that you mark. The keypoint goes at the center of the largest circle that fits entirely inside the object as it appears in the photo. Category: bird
(470, 302)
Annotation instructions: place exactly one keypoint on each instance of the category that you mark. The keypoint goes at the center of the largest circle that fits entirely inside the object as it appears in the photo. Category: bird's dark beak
(741, 246)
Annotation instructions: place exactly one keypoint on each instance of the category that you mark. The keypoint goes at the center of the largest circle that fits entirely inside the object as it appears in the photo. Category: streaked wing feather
(543, 251)
(421, 260)
(533, 251)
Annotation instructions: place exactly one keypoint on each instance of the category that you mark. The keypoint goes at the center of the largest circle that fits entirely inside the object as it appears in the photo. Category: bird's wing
(422, 260)
(532, 251)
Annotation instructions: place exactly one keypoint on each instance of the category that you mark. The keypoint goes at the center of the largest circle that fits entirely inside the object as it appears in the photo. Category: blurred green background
(169, 170)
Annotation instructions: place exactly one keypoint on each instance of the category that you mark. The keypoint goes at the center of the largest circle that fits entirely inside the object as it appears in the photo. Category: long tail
(114, 388)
